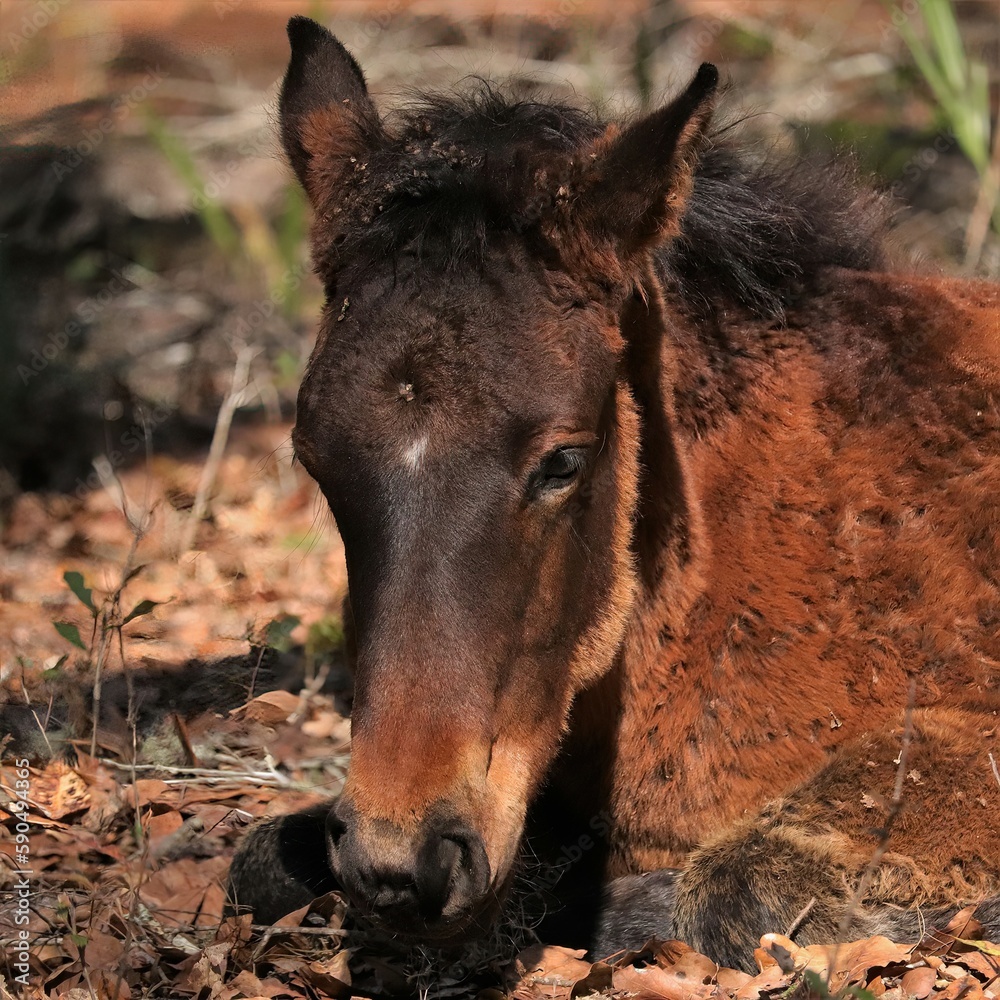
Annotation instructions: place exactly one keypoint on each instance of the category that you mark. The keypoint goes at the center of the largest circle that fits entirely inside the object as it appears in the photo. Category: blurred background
(156, 306)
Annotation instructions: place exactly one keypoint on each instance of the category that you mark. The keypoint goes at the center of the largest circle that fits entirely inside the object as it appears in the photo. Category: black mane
(461, 167)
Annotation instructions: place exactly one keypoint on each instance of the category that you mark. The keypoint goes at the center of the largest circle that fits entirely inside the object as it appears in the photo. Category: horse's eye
(560, 468)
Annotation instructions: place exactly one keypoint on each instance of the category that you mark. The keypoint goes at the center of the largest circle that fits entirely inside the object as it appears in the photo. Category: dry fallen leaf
(856, 959)
(919, 983)
(968, 988)
(186, 892)
(269, 708)
(331, 977)
(654, 982)
(328, 725)
(982, 958)
(106, 803)
(58, 791)
(732, 980)
(556, 969)
(208, 970)
(964, 924)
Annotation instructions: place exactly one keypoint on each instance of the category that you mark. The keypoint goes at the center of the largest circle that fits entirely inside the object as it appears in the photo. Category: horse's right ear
(326, 114)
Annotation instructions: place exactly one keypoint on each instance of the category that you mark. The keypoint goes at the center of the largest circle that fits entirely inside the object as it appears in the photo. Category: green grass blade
(212, 215)
(142, 608)
(943, 29)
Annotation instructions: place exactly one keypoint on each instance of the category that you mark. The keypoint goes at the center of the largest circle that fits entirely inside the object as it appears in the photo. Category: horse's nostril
(467, 848)
(453, 872)
(337, 821)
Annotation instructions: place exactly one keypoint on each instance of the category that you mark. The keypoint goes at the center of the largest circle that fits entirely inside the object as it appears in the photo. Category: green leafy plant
(817, 986)
(278, 633)
(107, 622)
(70, 633)
(287, 366)
(275, 248)
(291, 227)
(643, 54)
(960, 86)
(324, 640)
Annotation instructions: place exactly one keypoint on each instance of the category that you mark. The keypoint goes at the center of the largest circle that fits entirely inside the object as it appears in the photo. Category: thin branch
(256, 669)
(180, 727)
(270, 932)
(800, 916)
(335, 932)
(110, 615)
(45, 735)
(234, 399)
(98, 682)
(985, 207)
(895, 808)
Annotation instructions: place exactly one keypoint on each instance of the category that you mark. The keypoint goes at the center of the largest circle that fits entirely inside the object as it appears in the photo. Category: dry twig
(985, 207)
(895, 808)
(799, 917)
(111, 613)
(233, 400)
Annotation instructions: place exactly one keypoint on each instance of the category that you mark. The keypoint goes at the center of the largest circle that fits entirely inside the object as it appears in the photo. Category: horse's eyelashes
(560, 469)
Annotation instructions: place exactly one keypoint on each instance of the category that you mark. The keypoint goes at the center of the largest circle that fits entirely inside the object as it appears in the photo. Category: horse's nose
(421, 881)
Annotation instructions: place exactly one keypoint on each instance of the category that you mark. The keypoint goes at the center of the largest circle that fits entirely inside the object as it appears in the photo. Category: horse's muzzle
(429, 883)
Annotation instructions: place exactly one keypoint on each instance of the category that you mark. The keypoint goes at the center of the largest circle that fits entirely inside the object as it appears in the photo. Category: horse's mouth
(411, 929)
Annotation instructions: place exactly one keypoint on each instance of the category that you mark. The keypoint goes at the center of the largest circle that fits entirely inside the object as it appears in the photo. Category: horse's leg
(789, 880)
(636, 908)
(724, 906)
(281, 865)
(797, 862)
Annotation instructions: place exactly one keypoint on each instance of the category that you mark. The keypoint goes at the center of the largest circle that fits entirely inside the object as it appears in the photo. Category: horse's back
(937, 332)
(917, 459)
(847, 465)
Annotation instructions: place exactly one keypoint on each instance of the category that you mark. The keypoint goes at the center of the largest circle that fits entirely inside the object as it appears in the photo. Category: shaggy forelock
(461, 169)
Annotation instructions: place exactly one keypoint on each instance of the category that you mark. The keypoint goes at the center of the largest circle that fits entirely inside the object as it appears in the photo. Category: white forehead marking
(414, 455)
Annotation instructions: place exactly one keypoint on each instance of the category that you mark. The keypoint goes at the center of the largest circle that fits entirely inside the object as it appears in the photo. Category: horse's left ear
(634, 190)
